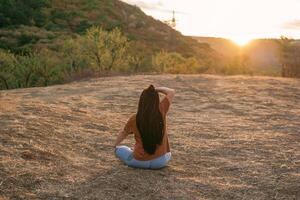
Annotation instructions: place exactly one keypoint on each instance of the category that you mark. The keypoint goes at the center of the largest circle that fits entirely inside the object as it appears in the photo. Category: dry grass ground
(231, 138)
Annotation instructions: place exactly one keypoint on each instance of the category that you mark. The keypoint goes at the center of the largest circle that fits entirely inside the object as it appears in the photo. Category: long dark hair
(149, 120)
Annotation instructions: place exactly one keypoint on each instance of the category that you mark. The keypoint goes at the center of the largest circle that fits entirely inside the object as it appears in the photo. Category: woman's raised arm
(170, 93)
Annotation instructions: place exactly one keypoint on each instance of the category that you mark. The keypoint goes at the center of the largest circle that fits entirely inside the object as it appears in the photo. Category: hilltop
(50, 23)
(234, 137)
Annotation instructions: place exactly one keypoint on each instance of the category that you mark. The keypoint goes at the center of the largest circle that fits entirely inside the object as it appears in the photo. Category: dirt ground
(231, 138)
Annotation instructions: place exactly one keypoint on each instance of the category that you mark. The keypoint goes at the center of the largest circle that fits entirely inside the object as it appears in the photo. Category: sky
(239, 20)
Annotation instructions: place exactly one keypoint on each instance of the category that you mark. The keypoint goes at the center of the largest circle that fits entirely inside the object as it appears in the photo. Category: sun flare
(241, 41)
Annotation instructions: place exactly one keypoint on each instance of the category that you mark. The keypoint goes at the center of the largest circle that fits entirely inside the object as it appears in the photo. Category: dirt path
(231, 138)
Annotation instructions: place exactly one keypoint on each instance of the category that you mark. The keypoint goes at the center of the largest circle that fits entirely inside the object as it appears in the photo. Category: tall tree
(104, 48)
(290, 57)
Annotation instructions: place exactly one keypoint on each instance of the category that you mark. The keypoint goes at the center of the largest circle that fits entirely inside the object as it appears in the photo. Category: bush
(26, 70)
(82, 26)
(7, 70)
(49, 69)
(29, 70)
(27, 39)
(173, 63)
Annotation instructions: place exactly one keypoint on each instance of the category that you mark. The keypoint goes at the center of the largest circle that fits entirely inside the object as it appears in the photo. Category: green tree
(139, 57)
(289, 57)
(72, 52)
(160, 61)
(116, 45)
(94, 46)
(105, 49)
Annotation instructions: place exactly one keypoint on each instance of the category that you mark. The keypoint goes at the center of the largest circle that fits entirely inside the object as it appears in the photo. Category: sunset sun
(241, 41)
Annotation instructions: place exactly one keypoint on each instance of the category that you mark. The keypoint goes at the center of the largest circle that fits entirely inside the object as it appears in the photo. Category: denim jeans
(125, 154)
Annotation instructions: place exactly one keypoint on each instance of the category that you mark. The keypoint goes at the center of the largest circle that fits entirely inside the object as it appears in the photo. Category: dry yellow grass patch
(231, 138)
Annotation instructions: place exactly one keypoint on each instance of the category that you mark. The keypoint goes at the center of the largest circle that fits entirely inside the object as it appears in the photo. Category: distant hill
(223, 46)
(51, 22)
(263, 53)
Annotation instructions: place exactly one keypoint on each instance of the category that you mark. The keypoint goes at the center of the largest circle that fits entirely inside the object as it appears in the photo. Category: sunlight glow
(241, 41)
(234, 19)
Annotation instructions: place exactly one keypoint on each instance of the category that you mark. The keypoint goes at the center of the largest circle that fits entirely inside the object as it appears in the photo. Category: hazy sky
(239, 20)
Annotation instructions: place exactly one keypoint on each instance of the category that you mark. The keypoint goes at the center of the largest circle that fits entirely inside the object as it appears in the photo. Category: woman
(151, 149)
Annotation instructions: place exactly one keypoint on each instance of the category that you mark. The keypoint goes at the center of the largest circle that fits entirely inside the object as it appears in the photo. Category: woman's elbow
(173, 92)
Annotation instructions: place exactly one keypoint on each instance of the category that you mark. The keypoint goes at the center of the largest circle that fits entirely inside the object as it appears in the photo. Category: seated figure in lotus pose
(148, 125)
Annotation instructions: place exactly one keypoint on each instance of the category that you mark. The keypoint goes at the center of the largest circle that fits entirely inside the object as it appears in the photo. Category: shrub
(7, 70)
(174, 63)
(27, 39)
(49, 68)
(26, 70)
(82, 26)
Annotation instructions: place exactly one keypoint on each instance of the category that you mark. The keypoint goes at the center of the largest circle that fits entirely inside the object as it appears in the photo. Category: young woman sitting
(148, 125)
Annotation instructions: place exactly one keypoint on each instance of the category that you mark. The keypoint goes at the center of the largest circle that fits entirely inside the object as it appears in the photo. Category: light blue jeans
(125, 154)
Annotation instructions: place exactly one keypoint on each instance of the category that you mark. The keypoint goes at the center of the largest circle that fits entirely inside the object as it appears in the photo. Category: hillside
(234, 137)
(224, 46)
(50, 23)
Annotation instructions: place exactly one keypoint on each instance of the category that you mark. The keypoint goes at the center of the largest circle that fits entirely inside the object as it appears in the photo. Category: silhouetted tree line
(290, 57)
